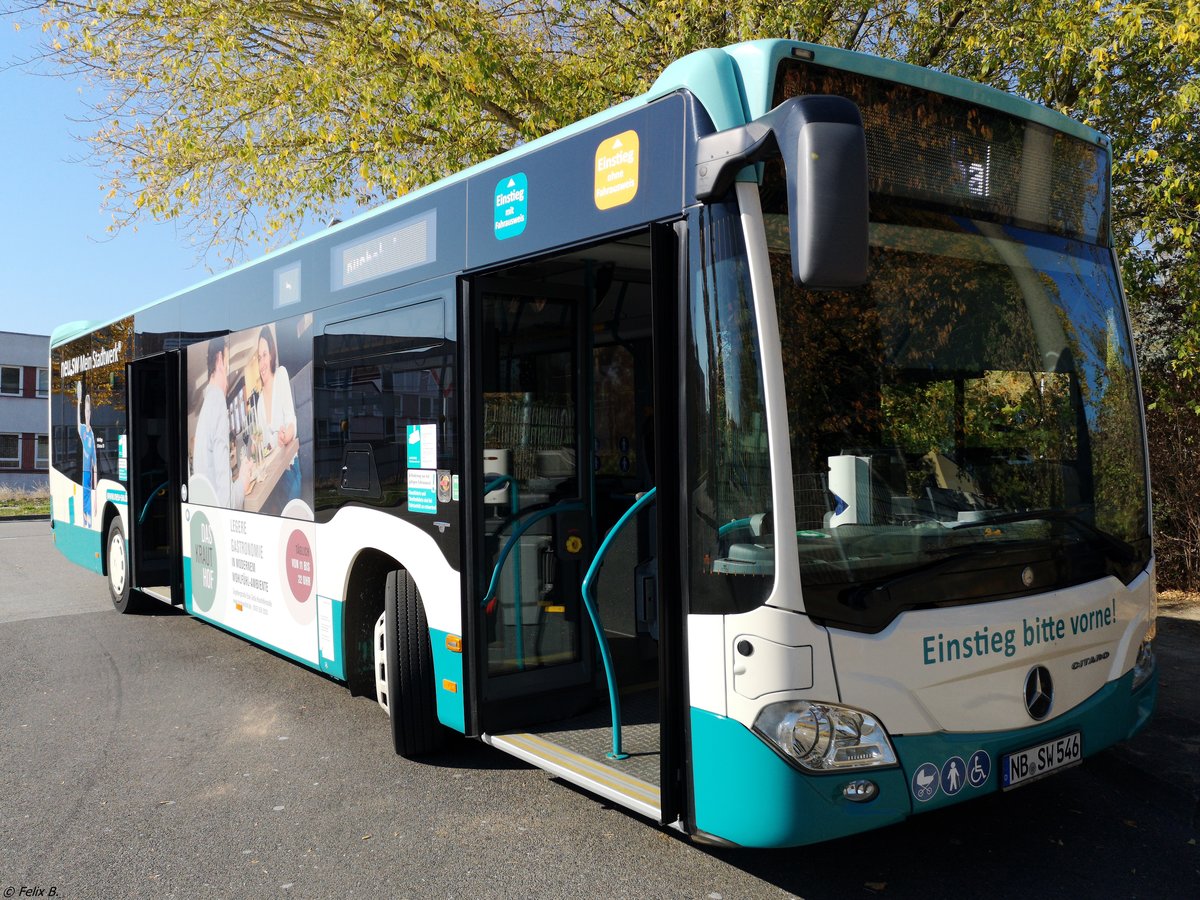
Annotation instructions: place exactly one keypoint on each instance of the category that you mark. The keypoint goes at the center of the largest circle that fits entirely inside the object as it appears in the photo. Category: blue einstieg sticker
(511, 206)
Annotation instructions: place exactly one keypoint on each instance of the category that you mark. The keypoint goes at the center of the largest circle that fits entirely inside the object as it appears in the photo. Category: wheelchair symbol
(979, 766)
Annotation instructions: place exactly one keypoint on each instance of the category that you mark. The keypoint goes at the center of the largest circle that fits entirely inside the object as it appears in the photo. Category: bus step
(619, 787)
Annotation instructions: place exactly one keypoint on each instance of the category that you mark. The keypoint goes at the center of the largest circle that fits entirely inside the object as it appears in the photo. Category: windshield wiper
(954, 554)
(1121, 551)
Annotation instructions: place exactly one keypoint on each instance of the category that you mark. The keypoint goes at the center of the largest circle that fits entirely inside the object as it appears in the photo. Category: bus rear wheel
(412, 706)
(117, 559)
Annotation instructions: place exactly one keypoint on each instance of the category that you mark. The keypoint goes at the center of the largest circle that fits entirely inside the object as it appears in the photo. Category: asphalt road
(156, 756)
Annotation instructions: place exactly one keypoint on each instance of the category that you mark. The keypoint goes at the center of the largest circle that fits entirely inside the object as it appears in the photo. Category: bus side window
(377, 376)
(731, 547)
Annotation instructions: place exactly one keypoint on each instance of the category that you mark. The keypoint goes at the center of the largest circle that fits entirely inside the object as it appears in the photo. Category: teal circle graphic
(204, 563)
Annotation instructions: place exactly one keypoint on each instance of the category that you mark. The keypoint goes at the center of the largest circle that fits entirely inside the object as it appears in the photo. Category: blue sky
(59, 263)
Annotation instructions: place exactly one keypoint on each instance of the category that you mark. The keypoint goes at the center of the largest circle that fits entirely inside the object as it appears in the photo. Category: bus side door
(155, 474)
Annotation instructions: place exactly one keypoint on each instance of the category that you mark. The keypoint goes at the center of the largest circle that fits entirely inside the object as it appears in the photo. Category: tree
(218, 109)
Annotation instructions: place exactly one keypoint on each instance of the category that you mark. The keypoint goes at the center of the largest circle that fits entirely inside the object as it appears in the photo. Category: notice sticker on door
(616, 170)
(422, 446)
(422, 491)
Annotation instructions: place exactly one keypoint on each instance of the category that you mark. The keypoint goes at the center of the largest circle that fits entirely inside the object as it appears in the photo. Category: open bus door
(156, 474)
(572, 377)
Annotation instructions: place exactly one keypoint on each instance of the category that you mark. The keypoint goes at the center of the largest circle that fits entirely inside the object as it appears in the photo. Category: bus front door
(565, 386)
(155, 475)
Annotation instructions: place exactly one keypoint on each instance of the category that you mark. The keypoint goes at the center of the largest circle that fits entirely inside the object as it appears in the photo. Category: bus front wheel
(416, 731)
(117, 559)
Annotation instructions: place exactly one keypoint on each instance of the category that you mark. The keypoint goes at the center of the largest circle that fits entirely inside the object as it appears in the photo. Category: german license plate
(1041, 760)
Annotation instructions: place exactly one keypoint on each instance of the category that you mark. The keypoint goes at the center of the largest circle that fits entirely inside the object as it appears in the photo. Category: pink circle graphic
(299, 566)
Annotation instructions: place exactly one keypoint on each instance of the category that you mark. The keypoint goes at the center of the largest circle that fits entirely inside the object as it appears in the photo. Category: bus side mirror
(827, 202)
(824, 150)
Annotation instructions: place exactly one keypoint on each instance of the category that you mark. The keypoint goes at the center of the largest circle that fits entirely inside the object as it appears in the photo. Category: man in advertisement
(88, 439)
(211, 452)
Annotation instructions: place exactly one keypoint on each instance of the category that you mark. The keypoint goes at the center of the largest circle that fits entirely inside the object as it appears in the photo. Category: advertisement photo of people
(249, 420)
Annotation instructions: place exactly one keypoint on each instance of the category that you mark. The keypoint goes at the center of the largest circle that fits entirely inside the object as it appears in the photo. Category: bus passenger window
(377, 375)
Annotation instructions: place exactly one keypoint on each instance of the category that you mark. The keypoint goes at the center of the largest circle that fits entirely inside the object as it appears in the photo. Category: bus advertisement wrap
(88, 424)
(250, 420)
(249, 403)
(254, 575)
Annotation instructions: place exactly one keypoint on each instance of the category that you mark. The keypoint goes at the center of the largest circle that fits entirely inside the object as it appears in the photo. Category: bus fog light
(822, 737)
(1143, 666)
(861, 791)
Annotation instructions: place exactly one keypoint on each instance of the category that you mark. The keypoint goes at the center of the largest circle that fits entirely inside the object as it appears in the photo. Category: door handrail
(514, 507)
(494, 583)
(526, 524)
(154, 493)
(589, 604)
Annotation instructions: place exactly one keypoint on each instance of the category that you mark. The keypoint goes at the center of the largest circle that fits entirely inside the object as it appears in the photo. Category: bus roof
(734, 85)
(756, 62)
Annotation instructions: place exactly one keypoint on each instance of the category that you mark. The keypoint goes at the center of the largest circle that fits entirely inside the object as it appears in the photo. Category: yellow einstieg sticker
(617, 170)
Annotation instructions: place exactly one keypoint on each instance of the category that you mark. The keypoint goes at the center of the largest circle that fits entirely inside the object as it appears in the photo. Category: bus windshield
(966, 426)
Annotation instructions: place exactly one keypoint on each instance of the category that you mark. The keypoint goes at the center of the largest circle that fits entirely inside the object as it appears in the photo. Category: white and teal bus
(764, 454)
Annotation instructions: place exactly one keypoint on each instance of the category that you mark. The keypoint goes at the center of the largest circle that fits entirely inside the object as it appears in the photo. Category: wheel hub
(116, 564)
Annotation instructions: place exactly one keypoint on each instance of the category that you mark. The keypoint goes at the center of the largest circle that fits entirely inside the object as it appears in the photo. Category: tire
(416, 731)
(117, 559)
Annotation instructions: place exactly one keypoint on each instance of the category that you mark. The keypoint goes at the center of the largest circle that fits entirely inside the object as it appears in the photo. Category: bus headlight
(1143, 666)
(823, 737)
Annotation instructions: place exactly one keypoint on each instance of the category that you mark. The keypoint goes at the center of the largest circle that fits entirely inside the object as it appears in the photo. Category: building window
(10, 380)
(43, 383)
(41, 459)
(10, 451)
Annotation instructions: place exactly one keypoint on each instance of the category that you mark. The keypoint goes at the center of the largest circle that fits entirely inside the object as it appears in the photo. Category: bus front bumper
(746, 794)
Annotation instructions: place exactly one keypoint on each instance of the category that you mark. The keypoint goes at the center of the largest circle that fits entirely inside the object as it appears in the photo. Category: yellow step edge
(584, 767)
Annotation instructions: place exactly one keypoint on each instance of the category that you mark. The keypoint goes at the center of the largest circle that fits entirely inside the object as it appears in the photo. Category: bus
(764, 455)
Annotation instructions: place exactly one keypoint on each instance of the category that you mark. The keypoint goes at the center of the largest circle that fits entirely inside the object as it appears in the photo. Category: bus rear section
(920, 533)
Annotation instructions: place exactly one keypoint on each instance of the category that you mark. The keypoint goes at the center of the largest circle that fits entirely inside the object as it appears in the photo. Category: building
(24, 410)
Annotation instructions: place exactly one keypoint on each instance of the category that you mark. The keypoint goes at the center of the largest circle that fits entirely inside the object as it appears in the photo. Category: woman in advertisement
(276, 412)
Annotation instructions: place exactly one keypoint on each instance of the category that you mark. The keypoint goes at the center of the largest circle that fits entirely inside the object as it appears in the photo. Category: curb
(43, 517)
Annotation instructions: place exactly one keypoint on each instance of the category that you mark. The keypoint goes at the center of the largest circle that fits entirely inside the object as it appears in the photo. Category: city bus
(763, 455)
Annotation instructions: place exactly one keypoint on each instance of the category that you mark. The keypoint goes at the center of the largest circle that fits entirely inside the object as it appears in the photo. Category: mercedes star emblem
(1039, 692)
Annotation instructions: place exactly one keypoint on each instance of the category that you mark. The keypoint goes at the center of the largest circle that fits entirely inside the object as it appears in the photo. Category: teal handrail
(514, 507)
(589, 604)
(730, 526)
(146, 507)
(533, 519)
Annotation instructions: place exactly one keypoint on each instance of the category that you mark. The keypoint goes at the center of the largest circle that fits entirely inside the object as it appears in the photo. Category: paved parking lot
(156, 756)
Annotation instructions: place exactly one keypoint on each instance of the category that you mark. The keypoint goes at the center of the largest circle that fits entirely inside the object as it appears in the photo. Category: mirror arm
(720, 156)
